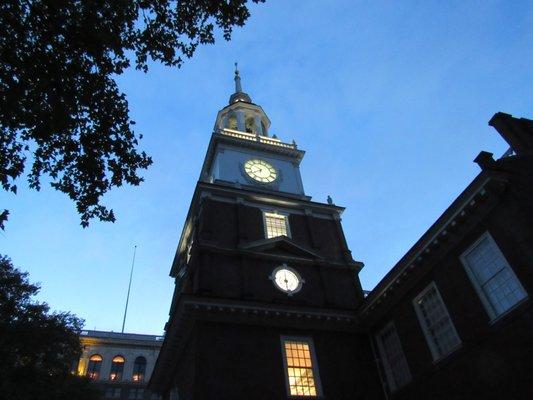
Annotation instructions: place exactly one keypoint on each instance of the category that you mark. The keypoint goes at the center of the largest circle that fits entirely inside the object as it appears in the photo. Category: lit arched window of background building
(117, 367)
(93, 369)
(139, 369)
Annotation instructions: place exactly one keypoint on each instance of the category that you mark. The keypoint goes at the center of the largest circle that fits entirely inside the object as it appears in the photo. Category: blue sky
(389, 99)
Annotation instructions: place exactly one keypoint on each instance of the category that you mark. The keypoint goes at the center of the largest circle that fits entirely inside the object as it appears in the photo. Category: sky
(390, 100)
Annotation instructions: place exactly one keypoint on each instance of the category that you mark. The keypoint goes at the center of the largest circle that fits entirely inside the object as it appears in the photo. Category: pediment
(281, 245)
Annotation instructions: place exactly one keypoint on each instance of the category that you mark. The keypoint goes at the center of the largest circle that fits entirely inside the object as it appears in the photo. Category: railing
(257, 138)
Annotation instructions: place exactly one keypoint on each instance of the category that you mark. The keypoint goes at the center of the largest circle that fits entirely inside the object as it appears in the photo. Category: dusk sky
(390, 100)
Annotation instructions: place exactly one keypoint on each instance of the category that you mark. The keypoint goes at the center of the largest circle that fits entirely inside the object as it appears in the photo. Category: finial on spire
(239, 95)
(238, 88)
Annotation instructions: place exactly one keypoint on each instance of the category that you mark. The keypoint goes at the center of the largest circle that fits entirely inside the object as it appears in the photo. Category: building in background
(120, 364)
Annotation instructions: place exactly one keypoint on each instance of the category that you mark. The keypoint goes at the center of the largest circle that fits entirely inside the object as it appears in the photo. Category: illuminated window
(93, 369)
(276, 225)
(300, 367)
(117, 367)
(436, 323)
(393, 359)
(139, 369)
(493, 278)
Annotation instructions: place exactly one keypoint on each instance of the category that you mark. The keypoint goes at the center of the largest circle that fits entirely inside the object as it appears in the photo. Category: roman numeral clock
(265, 285)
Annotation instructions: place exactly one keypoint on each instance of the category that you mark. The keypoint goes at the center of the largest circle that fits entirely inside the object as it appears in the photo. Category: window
(117, 367)
(300, 367)
(139, 369)
(232, 122)
(113, 393)
(394, 362)
(136, 393)
(494, 280)
(93, 369)
(436, 323)
(276, 225)
(250, 125)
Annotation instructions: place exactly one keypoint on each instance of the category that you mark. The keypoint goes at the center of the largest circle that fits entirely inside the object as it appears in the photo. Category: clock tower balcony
(273, 141)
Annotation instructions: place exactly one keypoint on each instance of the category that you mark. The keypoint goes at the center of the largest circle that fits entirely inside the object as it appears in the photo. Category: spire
(238, 87)
(239, 95)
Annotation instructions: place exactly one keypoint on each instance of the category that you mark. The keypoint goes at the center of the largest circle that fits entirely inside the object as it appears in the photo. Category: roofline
(110, 336)
(437, 229)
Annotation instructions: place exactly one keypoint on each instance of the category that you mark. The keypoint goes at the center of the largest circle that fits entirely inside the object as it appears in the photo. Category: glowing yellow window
(275, 225)
(301, 373)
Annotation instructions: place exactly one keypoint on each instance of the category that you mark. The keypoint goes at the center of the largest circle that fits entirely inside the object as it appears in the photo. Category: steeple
(239, 95)
(241, 114)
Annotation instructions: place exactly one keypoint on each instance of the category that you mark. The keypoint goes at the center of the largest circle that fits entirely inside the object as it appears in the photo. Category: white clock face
(260, 170)
(287, 280)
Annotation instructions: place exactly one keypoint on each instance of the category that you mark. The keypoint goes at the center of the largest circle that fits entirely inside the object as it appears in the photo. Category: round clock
(287, 280)
(260, 170)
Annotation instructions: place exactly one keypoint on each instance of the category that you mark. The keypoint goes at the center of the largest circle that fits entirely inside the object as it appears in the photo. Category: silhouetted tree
(60, 106)
(37, 348)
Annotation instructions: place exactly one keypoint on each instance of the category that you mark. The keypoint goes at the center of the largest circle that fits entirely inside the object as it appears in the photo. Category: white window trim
(429, 341)
(489, 308)
(284, 214)
(386, 366)
(316, 375)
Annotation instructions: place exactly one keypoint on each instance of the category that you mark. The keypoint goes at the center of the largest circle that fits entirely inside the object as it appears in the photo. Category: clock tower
(265, 286)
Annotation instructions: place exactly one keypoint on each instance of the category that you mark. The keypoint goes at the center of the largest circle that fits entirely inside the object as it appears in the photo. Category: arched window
(250, 125)
(232, 122)
(117, 367)
(93, 369)
(139, 369)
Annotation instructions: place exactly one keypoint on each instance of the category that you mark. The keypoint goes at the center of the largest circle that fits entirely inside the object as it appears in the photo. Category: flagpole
(129, 288)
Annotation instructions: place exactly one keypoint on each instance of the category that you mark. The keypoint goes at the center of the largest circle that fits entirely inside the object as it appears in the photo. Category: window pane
(485, 261)
(276, 225)
(300, 373)
(436, 323)
(504, 291)
(393, 358)
(494, 277)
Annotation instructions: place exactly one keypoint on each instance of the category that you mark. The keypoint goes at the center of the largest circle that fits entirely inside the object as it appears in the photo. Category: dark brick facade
(228, 317)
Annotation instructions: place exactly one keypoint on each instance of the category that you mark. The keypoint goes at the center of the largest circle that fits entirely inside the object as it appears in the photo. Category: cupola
(241, 114)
